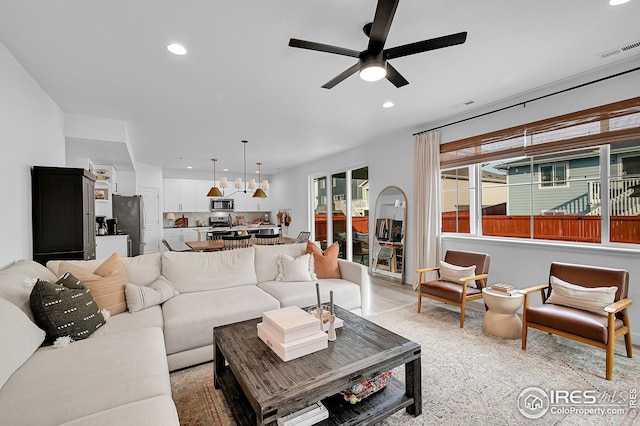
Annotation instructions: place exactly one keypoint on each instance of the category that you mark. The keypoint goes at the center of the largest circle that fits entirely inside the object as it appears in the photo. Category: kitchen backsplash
(238, 218)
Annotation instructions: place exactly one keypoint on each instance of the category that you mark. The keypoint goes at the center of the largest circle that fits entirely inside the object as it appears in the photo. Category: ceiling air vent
(464, 104)
(621, 49)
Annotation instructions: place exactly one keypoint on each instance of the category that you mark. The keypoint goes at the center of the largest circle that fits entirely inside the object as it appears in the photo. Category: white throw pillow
(141, 297)
(294, 268)
(19, 336)
(592, 299)
(453, 273)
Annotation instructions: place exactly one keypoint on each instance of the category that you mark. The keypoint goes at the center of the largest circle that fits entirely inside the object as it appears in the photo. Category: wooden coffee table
(259, 387)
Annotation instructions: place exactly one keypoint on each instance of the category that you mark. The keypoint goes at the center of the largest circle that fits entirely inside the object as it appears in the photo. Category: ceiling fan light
(373, 72)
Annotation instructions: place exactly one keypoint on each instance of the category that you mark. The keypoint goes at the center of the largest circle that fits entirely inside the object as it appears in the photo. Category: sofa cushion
(326, 263)
(150, 317)
(19, 336)
(592, 299)
(346, 294)
(189, 318)
(295, 268)
(65, 383)
(143, 270)
(156, 411)
(17, 281)
(65, 308)
(266, 262)
(190, 272)
(141, 297)
(106, 283)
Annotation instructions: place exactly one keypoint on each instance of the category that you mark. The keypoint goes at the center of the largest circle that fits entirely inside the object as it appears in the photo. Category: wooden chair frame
(465, 298)
(613, 334)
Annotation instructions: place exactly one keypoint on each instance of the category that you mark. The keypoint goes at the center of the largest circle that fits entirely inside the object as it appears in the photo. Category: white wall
(31, 134)
(384, 170)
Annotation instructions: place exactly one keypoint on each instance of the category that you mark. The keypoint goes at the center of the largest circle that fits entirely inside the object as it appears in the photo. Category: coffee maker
(101, 225)
(111, 226)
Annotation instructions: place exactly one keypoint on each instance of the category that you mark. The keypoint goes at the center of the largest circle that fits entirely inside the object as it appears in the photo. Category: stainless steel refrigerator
(129, 211)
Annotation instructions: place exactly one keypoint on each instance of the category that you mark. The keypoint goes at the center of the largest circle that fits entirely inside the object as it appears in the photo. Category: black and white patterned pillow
(65, 308)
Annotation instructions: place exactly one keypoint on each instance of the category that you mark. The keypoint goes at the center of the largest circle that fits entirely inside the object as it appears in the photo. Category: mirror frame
(399, 276)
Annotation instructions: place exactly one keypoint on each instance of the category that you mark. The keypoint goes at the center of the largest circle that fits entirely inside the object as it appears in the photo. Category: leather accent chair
(580, 325)
(456, 294)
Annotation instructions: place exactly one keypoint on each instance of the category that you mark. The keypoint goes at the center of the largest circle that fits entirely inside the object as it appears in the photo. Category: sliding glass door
(341, 212)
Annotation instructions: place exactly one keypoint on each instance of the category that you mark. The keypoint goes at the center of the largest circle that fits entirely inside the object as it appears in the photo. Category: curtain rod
(524, 103)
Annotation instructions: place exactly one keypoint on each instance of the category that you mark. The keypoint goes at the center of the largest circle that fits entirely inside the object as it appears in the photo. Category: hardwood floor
(387, 295)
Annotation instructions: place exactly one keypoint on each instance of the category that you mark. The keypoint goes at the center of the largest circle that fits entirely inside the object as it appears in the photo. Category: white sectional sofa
(120, 374)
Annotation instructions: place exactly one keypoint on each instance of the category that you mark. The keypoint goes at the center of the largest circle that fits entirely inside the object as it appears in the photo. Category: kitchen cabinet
(179, 195)
(106, 187)
(63, 214)
(185, 195)
(106, 245)
(202, 201)
(176, 237)
(246, 202)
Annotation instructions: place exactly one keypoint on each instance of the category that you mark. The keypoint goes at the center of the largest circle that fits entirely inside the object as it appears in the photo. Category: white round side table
(501, 319)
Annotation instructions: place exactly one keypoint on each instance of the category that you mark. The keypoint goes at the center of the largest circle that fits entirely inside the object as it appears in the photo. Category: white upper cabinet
(179, 195)
(202, 201)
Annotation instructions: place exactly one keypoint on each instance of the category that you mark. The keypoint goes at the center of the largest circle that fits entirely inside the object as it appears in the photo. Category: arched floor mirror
(388, 239)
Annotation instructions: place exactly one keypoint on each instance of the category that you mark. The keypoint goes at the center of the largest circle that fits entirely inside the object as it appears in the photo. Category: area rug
(472, 378)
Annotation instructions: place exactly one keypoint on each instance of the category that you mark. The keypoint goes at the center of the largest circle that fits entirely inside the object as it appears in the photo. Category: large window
(574, 177)
(573, 207)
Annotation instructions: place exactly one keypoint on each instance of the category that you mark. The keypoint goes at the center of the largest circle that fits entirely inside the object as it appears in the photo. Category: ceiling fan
(372, 62)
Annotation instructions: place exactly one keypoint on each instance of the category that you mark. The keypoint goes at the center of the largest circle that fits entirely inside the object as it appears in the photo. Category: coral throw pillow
(326, 264)
(107, 283)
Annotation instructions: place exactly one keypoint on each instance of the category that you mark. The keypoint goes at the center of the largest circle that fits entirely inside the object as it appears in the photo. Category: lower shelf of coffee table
(370, 410)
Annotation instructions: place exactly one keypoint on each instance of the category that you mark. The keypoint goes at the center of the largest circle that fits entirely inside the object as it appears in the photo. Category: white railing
(621, 203)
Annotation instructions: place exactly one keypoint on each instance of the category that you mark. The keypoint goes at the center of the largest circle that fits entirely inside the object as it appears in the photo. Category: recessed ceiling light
(388, 104)
(189, 167)
(617, 2)
(177, 49)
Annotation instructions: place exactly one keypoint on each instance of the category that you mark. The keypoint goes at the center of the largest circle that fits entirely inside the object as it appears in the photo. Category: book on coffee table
(295, 348)
(290, 323)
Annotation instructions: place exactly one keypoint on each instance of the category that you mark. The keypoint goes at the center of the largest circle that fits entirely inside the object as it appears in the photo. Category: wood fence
(624, 229)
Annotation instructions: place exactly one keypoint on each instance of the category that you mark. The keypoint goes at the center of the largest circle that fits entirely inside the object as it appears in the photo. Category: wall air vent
(618, 50)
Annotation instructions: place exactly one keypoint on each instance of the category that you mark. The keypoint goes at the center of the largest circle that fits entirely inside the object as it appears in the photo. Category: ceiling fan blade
(425, 45)
(385, 11)
(320, 47)
(342, 76)
(395, 77)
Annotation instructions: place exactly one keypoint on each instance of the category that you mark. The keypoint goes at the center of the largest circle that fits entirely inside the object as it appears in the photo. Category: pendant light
(259, 192)
(214, 191)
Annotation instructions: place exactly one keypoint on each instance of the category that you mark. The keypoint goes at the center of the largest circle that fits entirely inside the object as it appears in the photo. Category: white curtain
(426, 187)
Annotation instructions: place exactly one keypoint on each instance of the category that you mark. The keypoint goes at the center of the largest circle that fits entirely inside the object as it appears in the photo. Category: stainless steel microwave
(222, 204)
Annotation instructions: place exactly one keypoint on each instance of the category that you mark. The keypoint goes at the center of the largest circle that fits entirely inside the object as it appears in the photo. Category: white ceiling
(240, 80)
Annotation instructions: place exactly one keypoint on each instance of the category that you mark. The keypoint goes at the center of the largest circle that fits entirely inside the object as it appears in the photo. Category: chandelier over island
(238, 182)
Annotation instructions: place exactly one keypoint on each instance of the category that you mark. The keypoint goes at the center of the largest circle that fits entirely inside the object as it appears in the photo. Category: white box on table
(296, 348)
(290, 323)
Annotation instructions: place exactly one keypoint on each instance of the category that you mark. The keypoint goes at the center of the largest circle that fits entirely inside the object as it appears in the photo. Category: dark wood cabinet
(63, 212)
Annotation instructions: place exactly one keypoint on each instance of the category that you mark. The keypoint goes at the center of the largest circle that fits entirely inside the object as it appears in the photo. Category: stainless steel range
(220, 220)
(220, 223)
